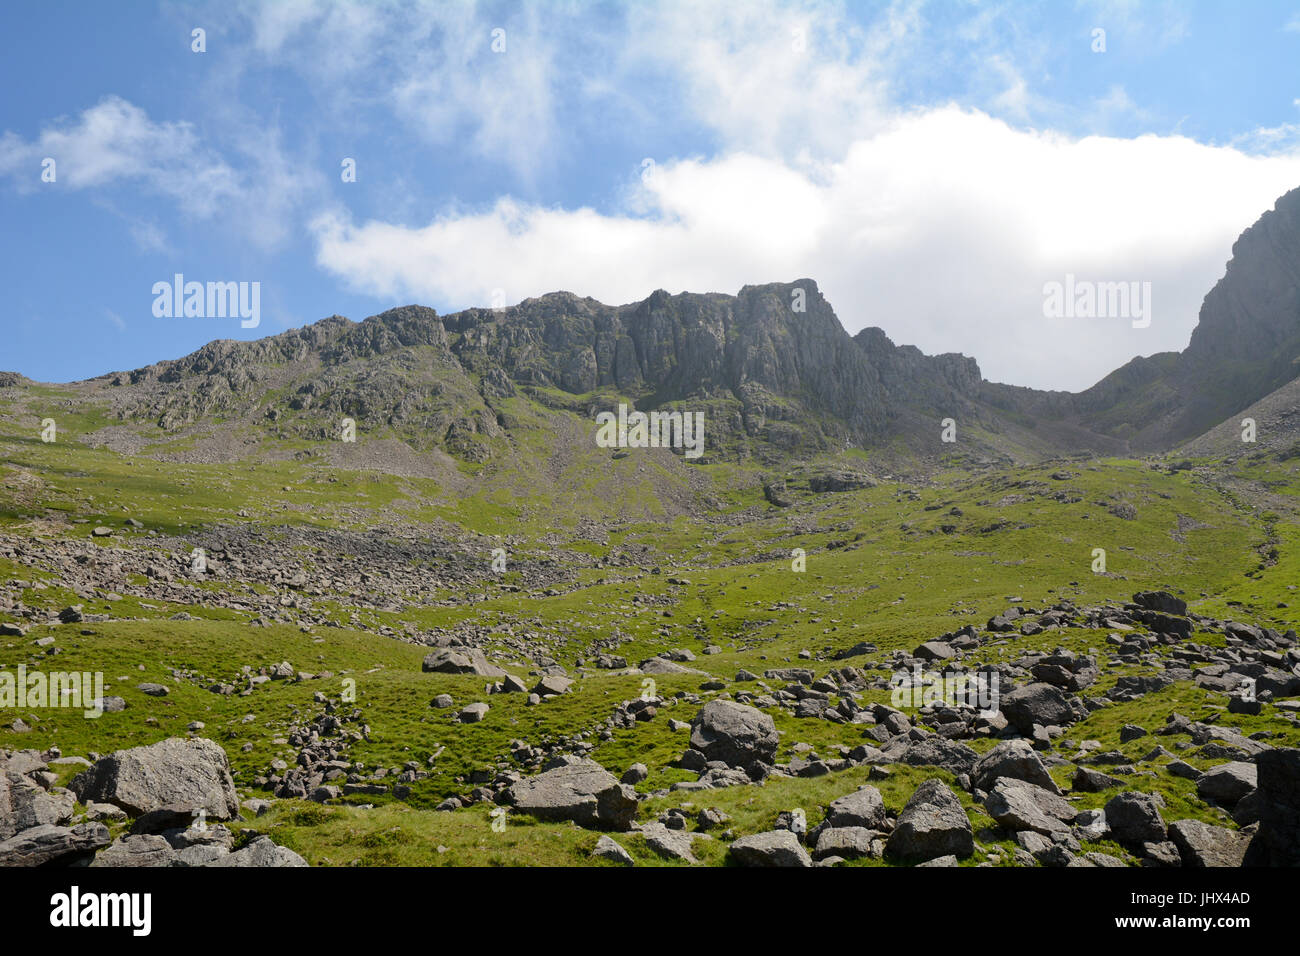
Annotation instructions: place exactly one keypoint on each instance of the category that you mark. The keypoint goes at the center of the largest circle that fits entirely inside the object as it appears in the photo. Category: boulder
(137, 850)
(25, 804)
(1012, 758)
(1227, 783)
(1037, 703)
(583, 791)
(936, 751)
(932, 824)
(551, 685)
(1203, 845)
(849, 843)
(861, 808)
(1017, 805)
(193, 773)
(1134, 818)
(1086, 780)
(935, 651)
(261, 852)
(668, 843)
(607, 848)
(1161, 601)
(460, 660)
(773, 848)
(734, 733)
(47, 843)
(661, 665)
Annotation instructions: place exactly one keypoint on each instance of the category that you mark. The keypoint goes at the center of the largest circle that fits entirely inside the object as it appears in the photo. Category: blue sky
(931, 165)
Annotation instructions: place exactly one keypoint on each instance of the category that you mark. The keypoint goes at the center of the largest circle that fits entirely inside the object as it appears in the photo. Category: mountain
(772, 368)
(1246, 345)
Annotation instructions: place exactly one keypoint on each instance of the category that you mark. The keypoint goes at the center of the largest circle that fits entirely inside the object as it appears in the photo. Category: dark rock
(932, 824)
(1134, 818)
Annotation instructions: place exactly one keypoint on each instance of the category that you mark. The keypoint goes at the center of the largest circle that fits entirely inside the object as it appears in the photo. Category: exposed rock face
(582, 791)
(773, 366)
(1227, 783)
(734, 733)
(192, 773)
(1240, 351)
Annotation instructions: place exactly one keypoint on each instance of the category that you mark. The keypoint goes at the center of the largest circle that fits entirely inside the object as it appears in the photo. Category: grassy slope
(881, 566)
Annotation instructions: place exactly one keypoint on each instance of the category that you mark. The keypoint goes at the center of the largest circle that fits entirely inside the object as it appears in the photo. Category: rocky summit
(374, 594)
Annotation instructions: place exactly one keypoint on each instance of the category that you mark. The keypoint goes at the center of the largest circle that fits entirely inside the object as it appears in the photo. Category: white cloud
(940, 229)
(114, 141)
(431, 64)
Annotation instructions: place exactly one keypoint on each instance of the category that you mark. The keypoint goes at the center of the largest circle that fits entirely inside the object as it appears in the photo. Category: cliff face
(756, 347)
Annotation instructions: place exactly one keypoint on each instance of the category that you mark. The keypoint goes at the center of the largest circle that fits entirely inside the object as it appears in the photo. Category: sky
(933, 166)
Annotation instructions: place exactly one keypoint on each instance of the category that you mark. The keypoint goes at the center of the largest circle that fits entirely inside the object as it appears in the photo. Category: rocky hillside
(772, 368)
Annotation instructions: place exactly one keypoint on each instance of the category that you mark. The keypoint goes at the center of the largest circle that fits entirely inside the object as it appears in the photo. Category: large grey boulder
(935, 751)
(862, 808)
(933, 824)
(192, 772)
(670, 844)
(48, 843)
(25, 804)
(1227, 783)
(460, 660)
(1134, 818)
(1016, 759)
(734, 733)
(773, 848)
(661, 665)
(607, 848)
(1203, 845)
(145, 849)
(582, 791)
(1018, 805)
(849, 843)
(261, 852)
(1036, 704)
